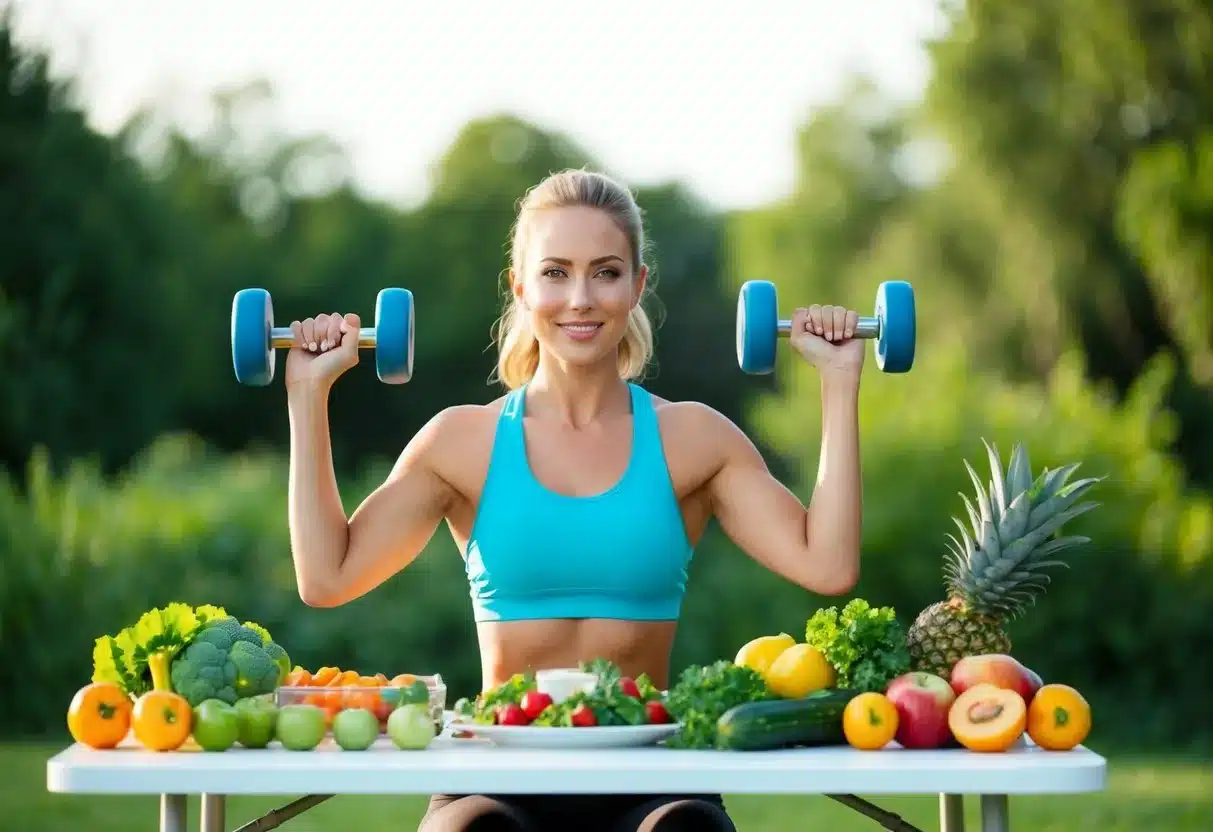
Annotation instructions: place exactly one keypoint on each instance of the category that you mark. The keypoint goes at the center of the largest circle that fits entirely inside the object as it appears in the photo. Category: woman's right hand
(325, 347)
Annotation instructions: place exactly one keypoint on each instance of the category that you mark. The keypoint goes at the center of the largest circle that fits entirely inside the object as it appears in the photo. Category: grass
(1143, 794)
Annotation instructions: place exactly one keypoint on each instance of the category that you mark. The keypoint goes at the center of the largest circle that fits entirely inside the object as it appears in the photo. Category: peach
(988, 718)
(997, 669)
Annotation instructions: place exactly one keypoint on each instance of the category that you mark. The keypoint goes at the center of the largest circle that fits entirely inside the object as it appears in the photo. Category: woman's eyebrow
(597, 260)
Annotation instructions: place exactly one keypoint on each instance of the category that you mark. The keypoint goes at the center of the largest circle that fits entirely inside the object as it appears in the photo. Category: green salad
(614, 700)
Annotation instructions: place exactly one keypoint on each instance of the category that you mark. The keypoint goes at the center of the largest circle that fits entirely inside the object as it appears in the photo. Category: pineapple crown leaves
(998, 562)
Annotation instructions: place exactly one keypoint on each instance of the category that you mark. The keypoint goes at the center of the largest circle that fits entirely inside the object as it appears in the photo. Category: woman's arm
(817, 547)
(338, 560)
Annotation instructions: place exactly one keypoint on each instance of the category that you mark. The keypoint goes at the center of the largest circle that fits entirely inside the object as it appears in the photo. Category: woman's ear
(516, 286)
(641, 278)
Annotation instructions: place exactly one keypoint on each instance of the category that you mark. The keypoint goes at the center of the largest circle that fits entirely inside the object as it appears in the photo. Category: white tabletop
(475, 766)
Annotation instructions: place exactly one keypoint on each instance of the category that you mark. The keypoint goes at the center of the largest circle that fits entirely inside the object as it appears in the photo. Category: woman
(578, 497)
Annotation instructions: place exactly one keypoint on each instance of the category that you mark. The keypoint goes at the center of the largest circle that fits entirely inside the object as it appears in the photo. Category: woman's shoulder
(456, 442)
(694, 419)
(461, 420)
(457, 427)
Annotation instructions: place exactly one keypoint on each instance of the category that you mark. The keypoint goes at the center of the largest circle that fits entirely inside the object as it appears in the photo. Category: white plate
(607, 736)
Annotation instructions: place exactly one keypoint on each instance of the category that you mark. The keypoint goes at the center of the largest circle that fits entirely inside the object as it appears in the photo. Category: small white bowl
(562, 682)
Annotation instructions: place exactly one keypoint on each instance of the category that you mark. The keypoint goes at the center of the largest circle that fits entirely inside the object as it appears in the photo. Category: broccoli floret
(205, 671)
(224, 632)
(280, 658)
(256, 671)
(227, 660)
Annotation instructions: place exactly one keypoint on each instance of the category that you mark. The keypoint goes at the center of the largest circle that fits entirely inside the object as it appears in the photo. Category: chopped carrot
(325, 676)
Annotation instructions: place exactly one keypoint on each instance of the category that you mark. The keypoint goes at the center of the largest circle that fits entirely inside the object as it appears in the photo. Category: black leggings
(579, 813)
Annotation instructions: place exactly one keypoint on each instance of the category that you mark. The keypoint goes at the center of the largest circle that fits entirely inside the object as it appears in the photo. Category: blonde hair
(517, 347)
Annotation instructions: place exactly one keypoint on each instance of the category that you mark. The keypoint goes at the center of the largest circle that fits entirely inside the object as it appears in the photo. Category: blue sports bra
(534, 553)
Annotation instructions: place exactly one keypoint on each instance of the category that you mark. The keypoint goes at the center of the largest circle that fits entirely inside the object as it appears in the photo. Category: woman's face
(577, 285)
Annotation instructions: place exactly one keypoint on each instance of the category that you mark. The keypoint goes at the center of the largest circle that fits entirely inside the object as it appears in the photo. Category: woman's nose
(581, 297)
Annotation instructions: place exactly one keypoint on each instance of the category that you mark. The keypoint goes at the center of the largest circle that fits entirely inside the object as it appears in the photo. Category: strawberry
(583, 717)
(656, 713)
(534, 702)
(628, 687)
(511, 715)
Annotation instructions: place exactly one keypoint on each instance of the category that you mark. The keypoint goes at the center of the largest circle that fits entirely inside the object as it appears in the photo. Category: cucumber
(815, 720)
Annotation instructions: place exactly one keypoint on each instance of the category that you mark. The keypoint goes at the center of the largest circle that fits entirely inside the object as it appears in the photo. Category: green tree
(1089, 124)
(85, 253)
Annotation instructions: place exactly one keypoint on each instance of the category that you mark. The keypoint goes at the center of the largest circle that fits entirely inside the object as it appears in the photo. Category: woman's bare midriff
(509, 647)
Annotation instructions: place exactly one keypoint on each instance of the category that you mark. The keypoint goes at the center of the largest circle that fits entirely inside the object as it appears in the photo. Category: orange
(99, 715)
(162, 720)
(1059, 718)
(869, 721)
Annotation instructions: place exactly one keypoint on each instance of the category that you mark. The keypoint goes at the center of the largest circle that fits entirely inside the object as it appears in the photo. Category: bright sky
(655, 89)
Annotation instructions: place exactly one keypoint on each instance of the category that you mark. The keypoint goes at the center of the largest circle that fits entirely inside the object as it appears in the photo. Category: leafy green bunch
(199, 652)
(865, 644)
(702, 695)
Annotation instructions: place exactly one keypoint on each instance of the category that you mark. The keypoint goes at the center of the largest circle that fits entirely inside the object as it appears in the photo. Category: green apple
(411, 727)
(215, 725)
(355, 729)
(300, 727)
(258, 719)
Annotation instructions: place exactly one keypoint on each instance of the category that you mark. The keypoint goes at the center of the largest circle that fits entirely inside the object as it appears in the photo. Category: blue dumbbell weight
(892, 327)
(255, 338)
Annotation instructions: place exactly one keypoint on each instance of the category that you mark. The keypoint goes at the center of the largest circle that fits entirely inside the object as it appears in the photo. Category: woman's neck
(577, 396)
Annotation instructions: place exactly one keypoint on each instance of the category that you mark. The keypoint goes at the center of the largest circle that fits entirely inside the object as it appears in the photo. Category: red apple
(923, 701)
(997, 669)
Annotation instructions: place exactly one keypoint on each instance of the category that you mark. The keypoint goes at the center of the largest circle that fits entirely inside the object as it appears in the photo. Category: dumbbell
(892, 328)
(254, 336)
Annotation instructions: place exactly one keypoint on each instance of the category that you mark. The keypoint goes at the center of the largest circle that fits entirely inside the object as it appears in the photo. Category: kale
(704, 693)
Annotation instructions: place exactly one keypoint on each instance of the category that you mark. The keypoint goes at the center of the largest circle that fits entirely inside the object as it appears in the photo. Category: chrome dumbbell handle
(864, 328)
(281, 338)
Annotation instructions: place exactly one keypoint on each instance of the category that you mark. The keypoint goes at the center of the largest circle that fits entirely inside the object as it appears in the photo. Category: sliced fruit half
(987, 718)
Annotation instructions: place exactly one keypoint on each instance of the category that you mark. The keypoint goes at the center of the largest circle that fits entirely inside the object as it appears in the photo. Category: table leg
(173, 813)
(951, 813)
(213, 810)
(995, 813)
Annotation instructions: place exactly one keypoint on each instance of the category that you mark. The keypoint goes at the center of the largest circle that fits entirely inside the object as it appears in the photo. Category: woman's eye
(553, 273)
(609, 273)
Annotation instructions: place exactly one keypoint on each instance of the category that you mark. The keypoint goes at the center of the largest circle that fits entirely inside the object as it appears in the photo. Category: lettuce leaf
(865, 644)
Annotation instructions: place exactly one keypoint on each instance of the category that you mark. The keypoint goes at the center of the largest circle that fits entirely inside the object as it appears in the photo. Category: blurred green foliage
(1050, 200)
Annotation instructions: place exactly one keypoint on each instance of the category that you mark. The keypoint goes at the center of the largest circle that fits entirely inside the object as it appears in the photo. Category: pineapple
(998, 569)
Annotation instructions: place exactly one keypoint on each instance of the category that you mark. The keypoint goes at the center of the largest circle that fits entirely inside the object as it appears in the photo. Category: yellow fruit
(799, 670)
(759, 654)
(870, 721)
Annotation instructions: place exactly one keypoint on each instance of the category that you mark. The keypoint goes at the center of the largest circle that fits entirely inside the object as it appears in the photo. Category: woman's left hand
(824, 335)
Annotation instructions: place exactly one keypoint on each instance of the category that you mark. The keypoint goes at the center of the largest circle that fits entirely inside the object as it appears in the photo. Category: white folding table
(456, 766)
